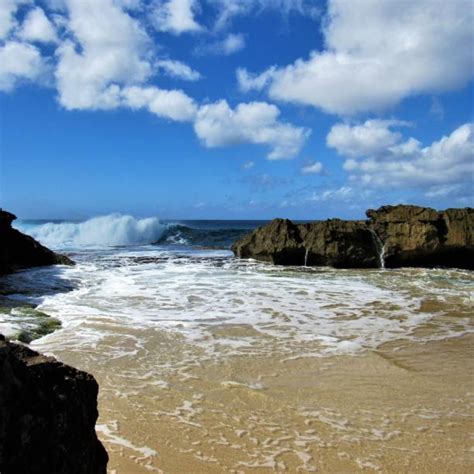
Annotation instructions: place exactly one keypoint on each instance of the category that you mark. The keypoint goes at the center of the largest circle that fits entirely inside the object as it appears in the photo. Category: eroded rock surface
(48, 412)
(419, 236)
(19, 251)
(393, 236)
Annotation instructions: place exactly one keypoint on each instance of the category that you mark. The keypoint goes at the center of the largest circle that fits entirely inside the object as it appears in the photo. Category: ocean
(207, 363)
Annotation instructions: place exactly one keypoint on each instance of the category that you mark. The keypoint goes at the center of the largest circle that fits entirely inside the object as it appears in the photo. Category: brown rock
(418, 236)
(403, 235)
(337, 243)
(340, 244)
(278, 242)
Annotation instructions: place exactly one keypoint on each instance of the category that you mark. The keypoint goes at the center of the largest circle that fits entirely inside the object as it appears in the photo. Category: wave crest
(110, 230)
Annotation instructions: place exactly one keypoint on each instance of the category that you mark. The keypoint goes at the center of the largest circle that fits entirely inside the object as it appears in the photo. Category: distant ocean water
(124, 230)
(167, 319)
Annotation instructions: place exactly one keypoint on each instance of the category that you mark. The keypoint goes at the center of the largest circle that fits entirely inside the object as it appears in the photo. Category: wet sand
(406, 407)
(211, 365)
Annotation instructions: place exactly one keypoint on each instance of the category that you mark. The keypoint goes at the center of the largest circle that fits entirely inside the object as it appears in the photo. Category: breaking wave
(110, 230)
(117, 230)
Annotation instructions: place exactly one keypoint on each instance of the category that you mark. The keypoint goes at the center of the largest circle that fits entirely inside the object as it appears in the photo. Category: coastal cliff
(18, 251)
(48, 412)
(393, 236)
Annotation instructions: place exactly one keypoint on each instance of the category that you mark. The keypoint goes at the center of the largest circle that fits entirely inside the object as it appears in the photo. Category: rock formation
(393, 236)
(19, 251)
(422, 237)
(48, 412)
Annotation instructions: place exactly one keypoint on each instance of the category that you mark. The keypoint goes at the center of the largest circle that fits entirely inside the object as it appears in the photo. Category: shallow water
(211, 364)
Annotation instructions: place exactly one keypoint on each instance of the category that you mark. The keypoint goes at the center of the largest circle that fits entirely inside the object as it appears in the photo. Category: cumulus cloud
(175, 16)
(178, 69)
(379, 156)
(106, 60)
(315, 167)
(19, 62)
(170, 104)
(110, 50)
(231, 44)
(248, 165)
(219, 125)
(377, 53)
(374, 137)
(37, 27)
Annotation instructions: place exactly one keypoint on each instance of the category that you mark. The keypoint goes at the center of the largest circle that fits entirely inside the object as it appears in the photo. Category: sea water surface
(207, 363)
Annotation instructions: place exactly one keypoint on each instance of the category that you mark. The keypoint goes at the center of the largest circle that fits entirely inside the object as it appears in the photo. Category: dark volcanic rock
(48, 412)
(19, 251)
(407, 236)
(420, 236)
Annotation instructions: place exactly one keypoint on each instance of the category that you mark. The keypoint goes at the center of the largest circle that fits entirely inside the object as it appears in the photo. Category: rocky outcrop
(393, 236)
(48, 412)
(335, 243)
(19, 251)
(278, 242)
(423, 237)
(339, 244)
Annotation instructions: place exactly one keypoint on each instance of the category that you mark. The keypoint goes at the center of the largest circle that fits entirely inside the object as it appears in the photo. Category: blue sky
(234, 109)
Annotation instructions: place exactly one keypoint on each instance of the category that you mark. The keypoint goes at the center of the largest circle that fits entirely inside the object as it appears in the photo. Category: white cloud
(231, 44)
(7, 16)
(248, 165)
(378, 53)
(374, 137)
(377, 155)
(315, 167)
(113, 52)
(18, 62)
(175, 16)
(129, 4)
(171, 104)
(256, 122)
(343, 193)
(229, 9)
(443, 190)
(37, 27)
(437, 109)
(248, 82)
(178, 69)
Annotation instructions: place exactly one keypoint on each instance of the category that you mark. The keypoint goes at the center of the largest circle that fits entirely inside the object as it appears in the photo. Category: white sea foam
(110, 433)
(225, 306)
(110, 230)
